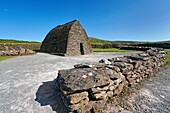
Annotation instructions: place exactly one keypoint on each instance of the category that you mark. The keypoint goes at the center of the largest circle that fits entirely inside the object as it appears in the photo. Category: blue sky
(138, 20)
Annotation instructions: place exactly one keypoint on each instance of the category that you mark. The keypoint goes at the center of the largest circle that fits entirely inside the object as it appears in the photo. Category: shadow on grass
(47, 94)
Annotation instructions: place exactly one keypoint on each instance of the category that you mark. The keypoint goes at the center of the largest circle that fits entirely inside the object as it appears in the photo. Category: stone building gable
(77, 38)
(69, 39)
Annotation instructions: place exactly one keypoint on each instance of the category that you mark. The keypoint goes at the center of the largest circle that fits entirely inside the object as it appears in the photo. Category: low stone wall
(88, 87)
(140, 48)
(165, 45)
(18, 46)
(14, 52)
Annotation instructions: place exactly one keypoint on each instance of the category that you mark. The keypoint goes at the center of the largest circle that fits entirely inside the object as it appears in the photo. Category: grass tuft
(6, 57)
(168, 56)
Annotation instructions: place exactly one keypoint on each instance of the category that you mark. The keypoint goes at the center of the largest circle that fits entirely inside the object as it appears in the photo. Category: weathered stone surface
(69, 39)
(105, 61)
(83, 66)
(98, 106)
(119, 89)
(139, 58)
(84, 108)
(70, 79)
(22, 51)
(79, 105)
(115, 68)
(143, 54)
(120, 59)
(99, 95)
(90, 65)
(137, 64)
(119, 64)
(77, 97)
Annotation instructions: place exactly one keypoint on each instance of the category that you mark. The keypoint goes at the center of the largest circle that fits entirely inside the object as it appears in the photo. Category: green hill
(98, 41)
(16, 41)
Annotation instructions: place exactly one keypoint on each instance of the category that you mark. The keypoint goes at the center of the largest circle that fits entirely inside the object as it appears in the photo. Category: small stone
(79, 105)
(84, 76)
(90, 65)
(119, 89)
(115, 68)
(111, 88)
(100, 95)
(90, 74)
(95, 68)
(105, 61)
(77, 97)
(110, 93)
(144, 54)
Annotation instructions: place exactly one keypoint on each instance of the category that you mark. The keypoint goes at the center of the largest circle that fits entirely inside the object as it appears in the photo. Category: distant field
(16, 41)
(168, 57)
(110, 50)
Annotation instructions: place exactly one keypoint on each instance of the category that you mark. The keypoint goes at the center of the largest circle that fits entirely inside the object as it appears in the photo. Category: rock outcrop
(87, 87)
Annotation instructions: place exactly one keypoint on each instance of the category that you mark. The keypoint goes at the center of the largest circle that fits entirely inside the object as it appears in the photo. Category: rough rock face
(9, 51)
(69, 39)
(87, 87)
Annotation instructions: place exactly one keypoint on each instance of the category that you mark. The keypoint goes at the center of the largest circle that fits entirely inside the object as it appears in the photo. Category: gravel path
(27, 81)
(153, 96)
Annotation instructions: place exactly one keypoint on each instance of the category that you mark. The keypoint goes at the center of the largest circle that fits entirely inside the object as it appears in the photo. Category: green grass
(110, 50)
(168, 56)
(2, 41)
(98, 41)
(5, 57)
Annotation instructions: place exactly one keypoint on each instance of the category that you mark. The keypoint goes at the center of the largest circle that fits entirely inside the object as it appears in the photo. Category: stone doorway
(81, 49)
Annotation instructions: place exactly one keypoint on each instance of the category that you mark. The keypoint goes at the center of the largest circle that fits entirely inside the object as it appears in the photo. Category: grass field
(111, 50)
(168, 56)
(5, 57)
(10, 41)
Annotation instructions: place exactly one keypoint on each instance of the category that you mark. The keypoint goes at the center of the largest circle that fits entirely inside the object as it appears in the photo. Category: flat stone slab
(70, 79)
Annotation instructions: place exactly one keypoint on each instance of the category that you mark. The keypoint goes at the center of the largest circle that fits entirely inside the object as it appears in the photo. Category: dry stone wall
(18, 46)
(17, 49)
(87, 87)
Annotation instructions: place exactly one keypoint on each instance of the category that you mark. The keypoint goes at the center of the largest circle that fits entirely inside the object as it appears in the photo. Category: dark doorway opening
(81, 49)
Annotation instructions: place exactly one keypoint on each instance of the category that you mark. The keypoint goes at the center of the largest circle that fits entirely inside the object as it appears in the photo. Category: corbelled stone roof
(63, 28)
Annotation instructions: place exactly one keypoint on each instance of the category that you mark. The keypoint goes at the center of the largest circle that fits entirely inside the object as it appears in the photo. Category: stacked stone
(9, 51)
(17, 46)
(87, 87)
